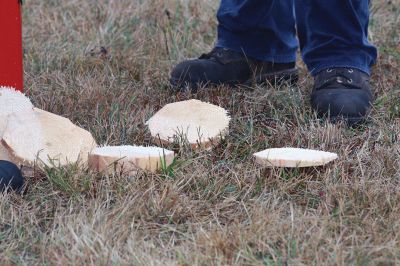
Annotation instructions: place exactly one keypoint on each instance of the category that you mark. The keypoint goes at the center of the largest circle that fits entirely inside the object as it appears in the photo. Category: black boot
(223, 66)
(342, 94)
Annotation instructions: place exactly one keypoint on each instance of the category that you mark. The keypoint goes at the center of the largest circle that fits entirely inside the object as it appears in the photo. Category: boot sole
(350, 121)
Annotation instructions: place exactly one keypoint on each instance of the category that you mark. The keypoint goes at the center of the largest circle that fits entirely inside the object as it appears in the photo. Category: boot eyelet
(350, 81)
(350, 70)
(329, 70)
(338, 80)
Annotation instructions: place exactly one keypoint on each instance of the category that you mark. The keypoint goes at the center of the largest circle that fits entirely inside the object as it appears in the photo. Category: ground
(105, 65)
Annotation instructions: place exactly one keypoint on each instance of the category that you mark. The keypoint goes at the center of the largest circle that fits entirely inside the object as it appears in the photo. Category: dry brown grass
(217, 207)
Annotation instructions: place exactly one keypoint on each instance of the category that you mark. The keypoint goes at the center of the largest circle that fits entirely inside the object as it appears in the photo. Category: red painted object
(11, 71)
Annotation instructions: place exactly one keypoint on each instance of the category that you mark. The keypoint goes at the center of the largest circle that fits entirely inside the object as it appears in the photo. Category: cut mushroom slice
(11, 102)
(293, 157)
(129, 159)
(52, 139)
(200, 124)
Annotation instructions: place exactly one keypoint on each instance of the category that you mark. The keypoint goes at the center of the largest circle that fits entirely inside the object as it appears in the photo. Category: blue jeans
(331, 33)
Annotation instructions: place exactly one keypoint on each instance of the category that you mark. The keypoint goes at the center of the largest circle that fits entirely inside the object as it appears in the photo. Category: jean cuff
(267, 58)
(256, 45)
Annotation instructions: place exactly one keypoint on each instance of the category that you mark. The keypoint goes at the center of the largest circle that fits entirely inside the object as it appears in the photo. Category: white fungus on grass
(293, 157)
(129, 159)
(194, 121)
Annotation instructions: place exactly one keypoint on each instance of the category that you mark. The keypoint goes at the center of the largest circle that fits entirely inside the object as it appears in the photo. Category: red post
(11, 71)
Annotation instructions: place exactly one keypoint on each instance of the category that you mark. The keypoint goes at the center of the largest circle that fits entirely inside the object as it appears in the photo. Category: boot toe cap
(351, 104)
(191, 72)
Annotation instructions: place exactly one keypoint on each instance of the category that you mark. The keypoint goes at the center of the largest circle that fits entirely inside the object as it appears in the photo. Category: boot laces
(343, 76)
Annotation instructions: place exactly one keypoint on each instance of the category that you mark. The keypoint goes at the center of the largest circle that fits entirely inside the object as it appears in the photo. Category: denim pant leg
(262, 29)
(334, 33)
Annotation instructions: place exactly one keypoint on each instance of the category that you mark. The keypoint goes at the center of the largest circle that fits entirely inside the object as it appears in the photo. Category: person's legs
(256, 42)
(334, 34)
(261, 29)
(334, 42)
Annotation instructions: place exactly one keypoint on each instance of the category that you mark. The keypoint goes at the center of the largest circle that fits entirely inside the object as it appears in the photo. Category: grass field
(105, 65)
